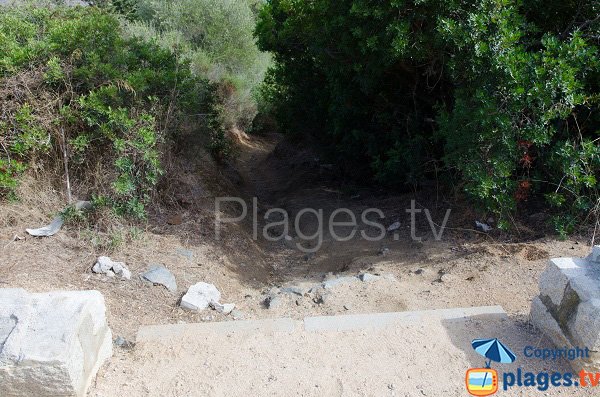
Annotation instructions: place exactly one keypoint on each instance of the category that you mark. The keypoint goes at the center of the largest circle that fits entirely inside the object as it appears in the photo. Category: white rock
(199, 296)
(224, 308)
(51, 344)
(486, 228)
(105, 265)
(367, 277)
(121, 270)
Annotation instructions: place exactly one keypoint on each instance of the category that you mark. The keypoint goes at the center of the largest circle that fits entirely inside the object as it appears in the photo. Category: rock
(199, 296)
(482, 226)
(237, 315)
(384, 251)
(272, 302)
(52, 344)
(419, 271)
(123, 343)
(105, 265)
(225, 308)
(390, 277)
(367, 277)
(293, 290)
(444, 278)
(393, 226)
(338, 281)
(121, 270)
(594, 256)
(158, 274)
(320, 297)
(568, 307)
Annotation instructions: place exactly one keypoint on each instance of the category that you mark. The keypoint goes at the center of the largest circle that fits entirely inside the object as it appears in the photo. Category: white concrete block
(51, 344)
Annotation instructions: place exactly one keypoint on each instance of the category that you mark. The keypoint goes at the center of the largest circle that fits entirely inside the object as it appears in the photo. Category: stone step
(383, 354)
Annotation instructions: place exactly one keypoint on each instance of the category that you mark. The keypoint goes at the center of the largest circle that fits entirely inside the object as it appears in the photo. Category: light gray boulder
(568, 307)
(51, 344)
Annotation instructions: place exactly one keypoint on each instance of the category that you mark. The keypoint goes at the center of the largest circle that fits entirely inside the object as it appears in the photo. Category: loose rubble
(105, 265)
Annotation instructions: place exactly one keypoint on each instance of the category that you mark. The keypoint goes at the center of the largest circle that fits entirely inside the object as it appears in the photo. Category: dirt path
(466, 268)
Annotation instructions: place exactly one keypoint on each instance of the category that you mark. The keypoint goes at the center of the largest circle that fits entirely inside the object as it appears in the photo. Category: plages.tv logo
(484, 381)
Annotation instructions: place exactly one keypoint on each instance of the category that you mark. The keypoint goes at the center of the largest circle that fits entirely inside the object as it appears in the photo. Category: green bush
(215, 36)
(115, 101)
(502, 94)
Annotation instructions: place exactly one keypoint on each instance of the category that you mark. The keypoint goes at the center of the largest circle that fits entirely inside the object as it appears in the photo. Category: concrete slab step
(425, 353)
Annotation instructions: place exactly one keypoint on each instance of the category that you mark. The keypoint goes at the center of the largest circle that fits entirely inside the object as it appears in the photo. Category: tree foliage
(70, 82)
(502, 94)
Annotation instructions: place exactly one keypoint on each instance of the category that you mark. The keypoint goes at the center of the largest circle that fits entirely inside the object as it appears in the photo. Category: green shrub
(503, 94)
(115, 101)
(215, 36)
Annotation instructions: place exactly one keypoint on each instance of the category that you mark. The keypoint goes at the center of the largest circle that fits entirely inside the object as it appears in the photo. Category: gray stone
(51, 344)
(553, 281)
(123, 343)
(121, 270)
(107, 266)
(224, 308)
(237, 314)
(568, 307)
(339, 281)
(585, 326)
(273, 301)
(367, 277)
(199, 296)
(543, 320)
(320, 295)
(594, 256)
(158, 274)
(293, 290)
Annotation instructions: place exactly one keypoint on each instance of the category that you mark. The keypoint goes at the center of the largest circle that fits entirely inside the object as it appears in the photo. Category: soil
(465, 268)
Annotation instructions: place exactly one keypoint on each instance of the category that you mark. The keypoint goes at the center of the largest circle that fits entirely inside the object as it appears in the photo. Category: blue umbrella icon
(493, 350)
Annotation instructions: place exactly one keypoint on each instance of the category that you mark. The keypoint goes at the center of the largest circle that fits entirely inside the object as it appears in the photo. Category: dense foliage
(75, 92)
(502, 94)
(215, 36)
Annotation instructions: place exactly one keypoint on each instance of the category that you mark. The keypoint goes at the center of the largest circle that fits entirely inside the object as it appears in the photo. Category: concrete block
(568, 307)
(585, 326)
(51, 344)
